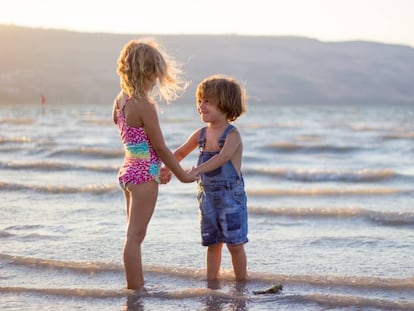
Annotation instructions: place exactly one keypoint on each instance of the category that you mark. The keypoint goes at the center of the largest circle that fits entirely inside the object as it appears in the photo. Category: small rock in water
(275, 289)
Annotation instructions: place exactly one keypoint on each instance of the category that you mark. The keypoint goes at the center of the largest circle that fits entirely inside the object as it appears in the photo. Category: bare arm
(152, 128)
(180, 153)
(119, 97)
(114, 117)
(188, 146)
(232, 145)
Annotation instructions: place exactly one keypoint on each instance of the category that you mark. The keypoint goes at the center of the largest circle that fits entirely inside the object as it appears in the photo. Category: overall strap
(202, 138)
(224, 135)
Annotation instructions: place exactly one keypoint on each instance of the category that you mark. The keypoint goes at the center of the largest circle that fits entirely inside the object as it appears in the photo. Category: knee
(236, 249)
(135, 236)
(214, 248)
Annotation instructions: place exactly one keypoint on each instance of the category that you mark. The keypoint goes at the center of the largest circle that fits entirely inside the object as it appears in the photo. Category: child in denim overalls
(221, 195)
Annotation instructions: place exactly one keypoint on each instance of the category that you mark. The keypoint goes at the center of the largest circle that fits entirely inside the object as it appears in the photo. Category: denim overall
(222, 200)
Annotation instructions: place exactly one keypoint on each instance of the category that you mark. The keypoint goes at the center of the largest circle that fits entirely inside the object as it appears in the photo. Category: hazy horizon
(72, 67)
(326, 20)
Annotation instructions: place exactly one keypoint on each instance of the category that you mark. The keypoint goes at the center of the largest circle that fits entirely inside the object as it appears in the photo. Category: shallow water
(330, 199)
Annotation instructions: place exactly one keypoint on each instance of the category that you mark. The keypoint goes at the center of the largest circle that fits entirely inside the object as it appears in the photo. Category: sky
(387, 21)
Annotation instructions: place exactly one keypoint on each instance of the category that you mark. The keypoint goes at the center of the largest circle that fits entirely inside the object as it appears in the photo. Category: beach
(330, 200)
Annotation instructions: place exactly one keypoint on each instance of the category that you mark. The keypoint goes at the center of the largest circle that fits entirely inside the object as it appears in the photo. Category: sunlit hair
(143, 63)
(226, 92)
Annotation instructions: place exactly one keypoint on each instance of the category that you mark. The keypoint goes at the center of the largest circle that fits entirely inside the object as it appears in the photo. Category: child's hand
(193, 174)
(165, 175)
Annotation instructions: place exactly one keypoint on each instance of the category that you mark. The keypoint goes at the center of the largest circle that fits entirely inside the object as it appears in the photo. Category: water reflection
(134, 302)
(235, 300)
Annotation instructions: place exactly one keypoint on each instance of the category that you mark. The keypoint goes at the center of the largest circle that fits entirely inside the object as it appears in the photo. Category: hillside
(72, 67)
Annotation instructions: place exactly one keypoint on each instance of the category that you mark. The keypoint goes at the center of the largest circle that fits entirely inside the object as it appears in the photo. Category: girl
(142, 65)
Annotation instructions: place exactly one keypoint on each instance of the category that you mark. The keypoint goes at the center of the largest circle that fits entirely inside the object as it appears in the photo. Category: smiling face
(228, 97)
(208, 111)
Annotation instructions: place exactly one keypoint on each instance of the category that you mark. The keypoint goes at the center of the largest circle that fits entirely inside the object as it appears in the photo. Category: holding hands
(191, 175)
(165, 175)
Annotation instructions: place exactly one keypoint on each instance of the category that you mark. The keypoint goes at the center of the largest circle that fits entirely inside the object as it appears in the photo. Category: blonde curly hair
(144, 61)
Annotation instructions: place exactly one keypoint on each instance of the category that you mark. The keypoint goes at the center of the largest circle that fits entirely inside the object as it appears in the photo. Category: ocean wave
(54, 232)
(279, 125)
(299, 192)
(10, 149)
(59, 189)
(316, 175)
(67, 292)
(356, 282)
(317, 148)
(16, 139)
(346, 301)
(96, 121)
(90, 152)
(314, 192)
(105, 293)
(78, 266)
(28, 237)
(5, 234)
(382, 218)
(322, 299)
(405, 135)
(365, 127)
(55, 166)
(17, 121)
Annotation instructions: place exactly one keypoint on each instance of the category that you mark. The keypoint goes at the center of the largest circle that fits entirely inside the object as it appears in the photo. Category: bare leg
(239, 261)
(127, 197)
(142, 199)
(213, 261)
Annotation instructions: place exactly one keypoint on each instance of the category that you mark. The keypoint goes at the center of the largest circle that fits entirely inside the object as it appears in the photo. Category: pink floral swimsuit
(141, 163)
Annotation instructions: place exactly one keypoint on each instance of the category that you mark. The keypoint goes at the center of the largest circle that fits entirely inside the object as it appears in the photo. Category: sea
(330, 199)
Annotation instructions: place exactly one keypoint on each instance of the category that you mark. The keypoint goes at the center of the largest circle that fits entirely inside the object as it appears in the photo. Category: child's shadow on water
(133, 303)
(235, 300)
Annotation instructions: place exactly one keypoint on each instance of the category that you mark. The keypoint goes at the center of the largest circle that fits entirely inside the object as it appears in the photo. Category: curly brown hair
(226, 92)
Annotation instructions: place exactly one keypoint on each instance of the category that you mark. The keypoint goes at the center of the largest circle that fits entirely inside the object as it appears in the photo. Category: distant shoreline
(78, 67)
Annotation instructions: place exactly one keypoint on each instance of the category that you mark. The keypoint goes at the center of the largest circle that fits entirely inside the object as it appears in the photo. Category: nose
(199, 109)
(202, 103)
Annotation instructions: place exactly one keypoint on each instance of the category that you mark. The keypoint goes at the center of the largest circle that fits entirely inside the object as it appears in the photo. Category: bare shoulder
(117, 106)
(196, 134)
(194, 138)
(119, 100)
(234, 133)
(147, 110)
(233, 139)
(139, 113)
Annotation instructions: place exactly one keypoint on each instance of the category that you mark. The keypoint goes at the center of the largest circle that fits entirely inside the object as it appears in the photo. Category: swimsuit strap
(121, 102)
(202, 138)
